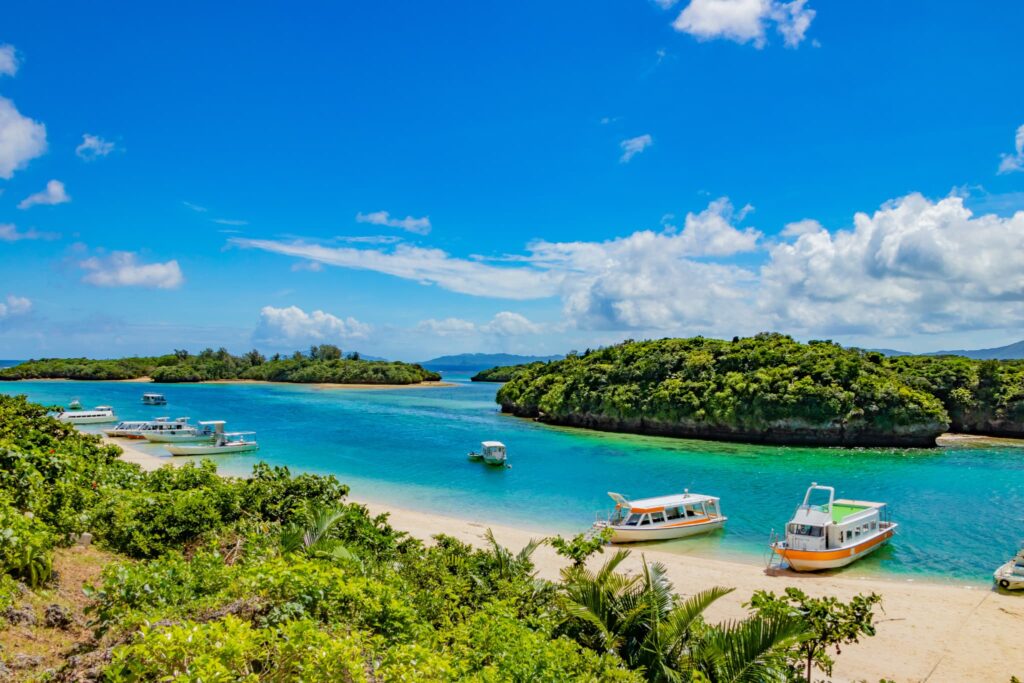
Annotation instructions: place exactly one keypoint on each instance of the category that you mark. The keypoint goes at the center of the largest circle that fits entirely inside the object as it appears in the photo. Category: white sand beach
(940, 633)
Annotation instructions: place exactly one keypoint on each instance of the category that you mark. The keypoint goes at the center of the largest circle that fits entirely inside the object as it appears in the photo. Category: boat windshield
(806, 530)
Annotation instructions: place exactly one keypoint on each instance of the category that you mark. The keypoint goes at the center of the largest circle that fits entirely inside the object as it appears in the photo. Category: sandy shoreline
(314, 385)
(927, 631)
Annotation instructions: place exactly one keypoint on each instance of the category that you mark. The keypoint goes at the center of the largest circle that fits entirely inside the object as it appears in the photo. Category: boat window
(646, 519)
(672, 513)
(657, 517)
(632, 520)
(807, 530)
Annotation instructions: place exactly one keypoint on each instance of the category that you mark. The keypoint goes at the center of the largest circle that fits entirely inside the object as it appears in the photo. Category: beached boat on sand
(1010, 576)
(833, 533)
(223, 443)
(491, 452)
(662, 518)
(97, 415)
(204, 433)
(129, 429)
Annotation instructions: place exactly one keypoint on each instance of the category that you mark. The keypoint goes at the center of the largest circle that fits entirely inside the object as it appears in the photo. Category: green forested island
(193, 576)
(771, 389)
(322, 364)
(503, 373)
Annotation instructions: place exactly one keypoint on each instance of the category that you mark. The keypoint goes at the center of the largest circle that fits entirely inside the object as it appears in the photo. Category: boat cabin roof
(154, 395)
(492, 444)
(659, 503)
(238, 433)
(843, 509)
(212, 422)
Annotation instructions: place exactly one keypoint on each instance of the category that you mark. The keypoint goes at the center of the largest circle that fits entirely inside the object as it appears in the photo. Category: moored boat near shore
(223, 443)
(1010, 576)
(491, 452)
(832, 534)
(662, 518)
(97, 415)
(129, 429)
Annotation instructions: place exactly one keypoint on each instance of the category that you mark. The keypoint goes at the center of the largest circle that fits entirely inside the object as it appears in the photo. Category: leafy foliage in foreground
(323, 364)
(766, 388)
(276, 578)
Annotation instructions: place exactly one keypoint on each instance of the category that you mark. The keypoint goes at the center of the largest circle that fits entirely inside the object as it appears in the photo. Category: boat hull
(177, 438)
(1006, 579)
(818, 560)
(494, 461)
(664, 532)
(197, 449)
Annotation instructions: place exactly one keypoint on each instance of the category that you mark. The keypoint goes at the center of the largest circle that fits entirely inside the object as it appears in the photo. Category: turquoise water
(961, 509)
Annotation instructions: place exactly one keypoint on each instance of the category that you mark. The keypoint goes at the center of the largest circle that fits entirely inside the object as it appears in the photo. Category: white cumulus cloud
(1014, 162)
(93, 147)
(53, 194)
(293, 326)
(14, 305)
(9, 62)
(633, 146)
(21, 139)
(745, 21)
(10, 233)
(509, 324)
(123, 269)
(447, 327)
(420, 226)
(914, 266)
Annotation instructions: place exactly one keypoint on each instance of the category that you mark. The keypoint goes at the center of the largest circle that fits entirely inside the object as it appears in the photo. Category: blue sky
(418, 179)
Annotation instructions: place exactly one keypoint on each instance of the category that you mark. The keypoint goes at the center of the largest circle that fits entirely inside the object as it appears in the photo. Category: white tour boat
(96, 415)
(128, 429)
(164, 425)
(224, 442)
(832, 534)
(154, 399)
(1011, 575)
(206, 432)
(491, 452)
(662, 518)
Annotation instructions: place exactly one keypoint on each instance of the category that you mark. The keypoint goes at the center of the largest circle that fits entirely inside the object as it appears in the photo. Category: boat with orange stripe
(833, 533)
(662, 518)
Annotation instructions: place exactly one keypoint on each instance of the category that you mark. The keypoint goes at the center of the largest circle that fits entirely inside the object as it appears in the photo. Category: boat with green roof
(834, 533)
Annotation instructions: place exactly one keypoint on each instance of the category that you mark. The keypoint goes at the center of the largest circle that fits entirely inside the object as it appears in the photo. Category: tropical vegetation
(323, 363)
(767, 388)
(278, 577)
(503, 373)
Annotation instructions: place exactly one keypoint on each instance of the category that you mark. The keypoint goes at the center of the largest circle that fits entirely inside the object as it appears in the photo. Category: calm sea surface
(961, 509)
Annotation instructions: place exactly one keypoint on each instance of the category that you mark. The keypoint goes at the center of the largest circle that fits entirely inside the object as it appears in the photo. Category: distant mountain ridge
(482, 361)
(1008, 352)
(1012, 351)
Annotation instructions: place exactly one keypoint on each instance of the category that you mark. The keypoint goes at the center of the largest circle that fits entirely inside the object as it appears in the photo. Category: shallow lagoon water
(961, 509)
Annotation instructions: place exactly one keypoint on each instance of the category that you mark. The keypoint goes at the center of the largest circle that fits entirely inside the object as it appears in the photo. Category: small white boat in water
(154, 399)
(491, 452)
(662, 518)
(75, 404)
(1010, 576)
(223, 442)
(205, 433)
(832, 533)
(97, 415)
